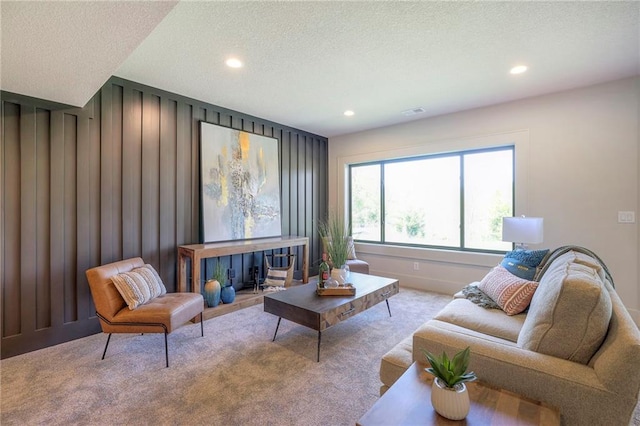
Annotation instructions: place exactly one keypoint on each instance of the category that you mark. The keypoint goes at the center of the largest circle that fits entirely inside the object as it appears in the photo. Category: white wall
(577, 165)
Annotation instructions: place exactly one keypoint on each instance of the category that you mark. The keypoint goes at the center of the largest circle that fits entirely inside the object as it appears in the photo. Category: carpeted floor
(234, 375)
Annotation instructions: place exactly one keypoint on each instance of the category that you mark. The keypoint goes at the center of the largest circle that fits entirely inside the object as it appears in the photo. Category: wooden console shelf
(196, 252)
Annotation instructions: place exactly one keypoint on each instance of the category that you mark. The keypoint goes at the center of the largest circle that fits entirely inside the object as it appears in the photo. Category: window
(453, 200)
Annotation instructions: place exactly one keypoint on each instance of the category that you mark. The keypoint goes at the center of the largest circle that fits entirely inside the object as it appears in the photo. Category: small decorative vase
(228, 294)
(212, 293)
(450, 403)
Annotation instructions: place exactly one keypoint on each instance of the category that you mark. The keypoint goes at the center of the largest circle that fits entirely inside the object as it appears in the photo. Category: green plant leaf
(220, 274)
(461, 361)
(450, 371)
(335, 232)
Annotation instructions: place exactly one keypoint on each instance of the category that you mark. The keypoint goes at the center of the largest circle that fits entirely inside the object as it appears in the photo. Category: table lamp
(522, 231)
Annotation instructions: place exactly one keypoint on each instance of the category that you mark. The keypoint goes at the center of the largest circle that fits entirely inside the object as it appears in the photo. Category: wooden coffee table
(408, 402)
(303, 306)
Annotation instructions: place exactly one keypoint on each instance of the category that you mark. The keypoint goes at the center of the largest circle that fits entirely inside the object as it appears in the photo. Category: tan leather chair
(358, 265)
(161, 315)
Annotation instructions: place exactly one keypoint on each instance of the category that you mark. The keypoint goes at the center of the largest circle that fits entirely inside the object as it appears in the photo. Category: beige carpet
(234, 375)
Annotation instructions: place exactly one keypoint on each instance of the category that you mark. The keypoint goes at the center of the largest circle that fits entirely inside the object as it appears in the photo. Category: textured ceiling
(307, 62)
(65, 51)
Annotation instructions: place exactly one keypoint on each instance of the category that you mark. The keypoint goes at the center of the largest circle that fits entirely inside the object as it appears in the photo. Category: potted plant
(213, 286)
(335, 238)
(449, 395)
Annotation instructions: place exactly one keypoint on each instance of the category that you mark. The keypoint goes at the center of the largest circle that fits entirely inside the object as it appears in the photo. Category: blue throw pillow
(523, 263)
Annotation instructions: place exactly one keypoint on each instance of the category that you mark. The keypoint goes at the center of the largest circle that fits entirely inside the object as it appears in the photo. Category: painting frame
(239, 185)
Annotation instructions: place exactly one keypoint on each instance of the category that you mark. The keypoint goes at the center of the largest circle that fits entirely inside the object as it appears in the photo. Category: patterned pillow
(157, 281)
(133, 287)
(523, 263)
(276, 277)
(512, 293)
(139, 286)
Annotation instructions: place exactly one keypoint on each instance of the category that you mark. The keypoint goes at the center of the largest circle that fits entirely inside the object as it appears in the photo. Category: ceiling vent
(413, 111)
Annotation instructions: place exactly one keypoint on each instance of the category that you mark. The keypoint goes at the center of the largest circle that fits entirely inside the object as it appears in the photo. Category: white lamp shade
(525, 230)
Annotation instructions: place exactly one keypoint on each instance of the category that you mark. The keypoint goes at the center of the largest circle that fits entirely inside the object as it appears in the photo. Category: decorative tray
(346, 290)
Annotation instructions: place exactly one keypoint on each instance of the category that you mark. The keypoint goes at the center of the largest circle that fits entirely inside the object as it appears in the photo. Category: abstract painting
(240, 184)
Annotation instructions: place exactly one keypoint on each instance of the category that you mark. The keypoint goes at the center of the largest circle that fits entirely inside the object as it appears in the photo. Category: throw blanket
(546, 261)
(479, 297)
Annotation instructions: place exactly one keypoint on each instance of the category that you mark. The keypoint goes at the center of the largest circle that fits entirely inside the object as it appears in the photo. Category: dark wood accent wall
(116, 179)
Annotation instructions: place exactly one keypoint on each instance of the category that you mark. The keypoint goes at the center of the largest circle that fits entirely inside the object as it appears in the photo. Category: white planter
(450, 403)
(340, 275)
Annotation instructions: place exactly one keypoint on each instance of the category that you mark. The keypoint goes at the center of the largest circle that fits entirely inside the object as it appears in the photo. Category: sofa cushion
(395, 362)
(494, 322)
(523, 263)
(569, 314)
(509, 291)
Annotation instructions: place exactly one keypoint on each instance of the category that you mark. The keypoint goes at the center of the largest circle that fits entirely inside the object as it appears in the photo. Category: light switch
(626, 217)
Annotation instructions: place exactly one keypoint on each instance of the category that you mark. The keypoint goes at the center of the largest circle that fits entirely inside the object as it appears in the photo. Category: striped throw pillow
(275, 277)
(154, 279)
(139, 285)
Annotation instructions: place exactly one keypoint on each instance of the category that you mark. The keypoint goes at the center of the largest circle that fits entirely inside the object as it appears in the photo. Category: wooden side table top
(408, 402)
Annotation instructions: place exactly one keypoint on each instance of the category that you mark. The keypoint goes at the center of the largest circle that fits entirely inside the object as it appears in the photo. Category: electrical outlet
(416, 266)
(626, 217)
(231, 273)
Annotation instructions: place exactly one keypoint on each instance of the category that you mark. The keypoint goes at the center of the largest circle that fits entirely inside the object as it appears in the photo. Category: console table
(196, 252)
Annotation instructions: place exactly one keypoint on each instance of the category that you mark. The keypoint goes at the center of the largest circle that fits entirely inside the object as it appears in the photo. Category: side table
(408, 402)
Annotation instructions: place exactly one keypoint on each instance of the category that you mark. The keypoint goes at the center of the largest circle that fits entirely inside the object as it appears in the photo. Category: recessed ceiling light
(518, 69)
(234, 63)
(349, 113)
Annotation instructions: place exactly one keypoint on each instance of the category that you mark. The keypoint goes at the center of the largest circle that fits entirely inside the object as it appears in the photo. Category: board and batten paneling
(118, 178)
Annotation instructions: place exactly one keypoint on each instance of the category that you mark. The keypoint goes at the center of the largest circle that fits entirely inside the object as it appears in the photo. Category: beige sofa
(553, 352)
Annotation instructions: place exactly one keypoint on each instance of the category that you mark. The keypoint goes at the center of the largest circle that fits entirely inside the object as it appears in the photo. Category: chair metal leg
(105, 346)
(201, 324)
(166, 348)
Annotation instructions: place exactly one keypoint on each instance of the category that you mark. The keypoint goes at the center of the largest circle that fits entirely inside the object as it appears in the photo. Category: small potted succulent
(449, 395)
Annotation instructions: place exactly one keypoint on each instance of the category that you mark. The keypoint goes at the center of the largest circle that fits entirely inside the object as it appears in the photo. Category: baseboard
(422, 283)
